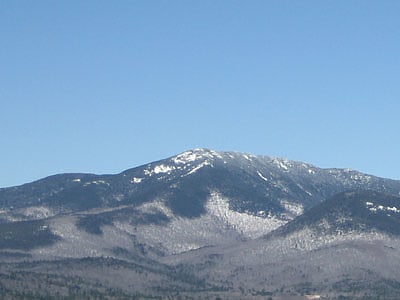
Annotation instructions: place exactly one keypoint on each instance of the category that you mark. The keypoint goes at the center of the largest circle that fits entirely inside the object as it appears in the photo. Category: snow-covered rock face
(136, 180)
(184, 164)
(282, 163)
(374, 208)
(159, 169)
(195, 156)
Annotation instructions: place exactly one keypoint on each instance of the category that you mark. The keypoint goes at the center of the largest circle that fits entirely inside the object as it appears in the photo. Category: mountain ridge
(358, 210)
(191, 162)
(226, 220)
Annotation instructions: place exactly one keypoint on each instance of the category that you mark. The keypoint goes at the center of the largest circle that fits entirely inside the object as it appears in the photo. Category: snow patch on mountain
(262, 176)
(374, 208)
(180, 234)
(163, 169)
(282, 163)
(220, 224)
(156, 206)
(203, 164)
(136, 180)
(195, 155)
(296, 209)
(303, 189)
(303, 240)
(96, 182)
(37, 212)
(186, 157)
(159, 169)
(246, 157)
(78, 243)
(7, 217)
(248, 225)
(307, 240)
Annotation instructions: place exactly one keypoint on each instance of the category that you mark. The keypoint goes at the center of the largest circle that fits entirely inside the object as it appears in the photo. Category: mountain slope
(348, 245)
(195, 199)
(360, 210)
(206, 223)
(184, 182)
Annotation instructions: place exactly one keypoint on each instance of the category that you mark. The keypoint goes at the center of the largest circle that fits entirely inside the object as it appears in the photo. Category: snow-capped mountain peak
(244, 212)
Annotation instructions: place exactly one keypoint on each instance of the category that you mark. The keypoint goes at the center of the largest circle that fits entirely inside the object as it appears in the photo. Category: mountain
(351, 211)
(347, 247)
(185, 221)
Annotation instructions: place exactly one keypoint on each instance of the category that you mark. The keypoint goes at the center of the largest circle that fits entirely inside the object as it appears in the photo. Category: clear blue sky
(102, 86)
